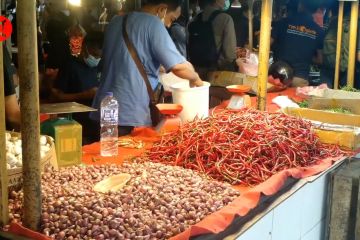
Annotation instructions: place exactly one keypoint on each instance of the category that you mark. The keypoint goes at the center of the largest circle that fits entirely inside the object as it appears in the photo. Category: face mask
(226, 5)
(91, 61)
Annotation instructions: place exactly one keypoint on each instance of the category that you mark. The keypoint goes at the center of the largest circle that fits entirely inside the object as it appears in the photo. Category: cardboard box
(49, 160)
(253, 83)
(347, 132)
(225, 78)
(353, 105)
(68, 138)
(339, 94)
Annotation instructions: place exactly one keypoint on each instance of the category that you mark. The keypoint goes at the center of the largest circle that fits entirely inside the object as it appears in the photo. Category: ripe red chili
(243, 147)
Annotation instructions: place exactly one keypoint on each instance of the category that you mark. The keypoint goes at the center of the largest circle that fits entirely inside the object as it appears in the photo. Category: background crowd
(82, 53)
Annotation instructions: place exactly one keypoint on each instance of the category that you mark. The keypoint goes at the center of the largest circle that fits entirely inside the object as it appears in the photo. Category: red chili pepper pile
(244, 147)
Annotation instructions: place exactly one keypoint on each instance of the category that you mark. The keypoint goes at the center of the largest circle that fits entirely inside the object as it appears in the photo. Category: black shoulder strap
(137, 60)
(214, 15)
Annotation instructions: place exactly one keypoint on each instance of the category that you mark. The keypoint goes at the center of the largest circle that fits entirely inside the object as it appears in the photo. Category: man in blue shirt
(155, 47)
(298, 41)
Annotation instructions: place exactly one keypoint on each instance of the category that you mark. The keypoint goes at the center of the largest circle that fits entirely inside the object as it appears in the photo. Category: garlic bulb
(43, 140)
(14, 150)
(7, 136)
(11, 159)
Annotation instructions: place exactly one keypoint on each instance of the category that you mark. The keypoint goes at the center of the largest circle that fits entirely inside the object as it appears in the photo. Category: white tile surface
(287, 220)
(316, 233)
(312, 207)
(261, 230)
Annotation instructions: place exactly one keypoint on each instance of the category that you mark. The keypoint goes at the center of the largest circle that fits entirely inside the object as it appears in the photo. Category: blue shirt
(120, 74)
(296, 40)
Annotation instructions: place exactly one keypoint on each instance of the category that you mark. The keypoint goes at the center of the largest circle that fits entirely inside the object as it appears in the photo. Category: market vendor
(79, 78)
(296, 40)
(154, 47)
(12, 108)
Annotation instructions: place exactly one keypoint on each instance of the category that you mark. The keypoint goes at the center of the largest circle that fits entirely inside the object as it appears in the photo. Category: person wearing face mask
(154, 47)
(78, 80)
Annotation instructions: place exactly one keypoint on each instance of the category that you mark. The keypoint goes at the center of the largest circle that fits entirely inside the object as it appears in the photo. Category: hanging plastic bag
(249, 65)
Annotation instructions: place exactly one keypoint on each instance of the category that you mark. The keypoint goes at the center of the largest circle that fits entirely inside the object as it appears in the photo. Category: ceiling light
(76, 3)
(236, 4)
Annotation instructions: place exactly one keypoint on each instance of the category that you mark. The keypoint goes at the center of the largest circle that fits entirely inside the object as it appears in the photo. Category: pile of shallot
(158, 202)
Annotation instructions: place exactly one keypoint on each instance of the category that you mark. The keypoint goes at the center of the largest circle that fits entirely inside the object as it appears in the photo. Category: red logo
(5, 28)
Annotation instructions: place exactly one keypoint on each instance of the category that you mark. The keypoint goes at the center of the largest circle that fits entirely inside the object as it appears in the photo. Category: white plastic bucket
(195, 101)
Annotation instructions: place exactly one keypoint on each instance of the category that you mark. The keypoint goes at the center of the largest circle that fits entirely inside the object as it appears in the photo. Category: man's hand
(56, 94)
(197, 83)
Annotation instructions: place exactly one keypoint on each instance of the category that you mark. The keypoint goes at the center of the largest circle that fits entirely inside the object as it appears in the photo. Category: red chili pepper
(242, 147)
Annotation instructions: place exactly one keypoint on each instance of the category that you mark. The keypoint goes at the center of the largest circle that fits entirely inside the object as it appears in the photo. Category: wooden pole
(338, 44)
(251, 24)
(29, 105)
(4, 208)
(264, 52)
(352, 43)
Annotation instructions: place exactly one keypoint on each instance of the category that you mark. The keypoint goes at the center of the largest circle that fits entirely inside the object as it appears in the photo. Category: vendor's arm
(12, 112)
(59, 96)
(165, 51)
(186, 71)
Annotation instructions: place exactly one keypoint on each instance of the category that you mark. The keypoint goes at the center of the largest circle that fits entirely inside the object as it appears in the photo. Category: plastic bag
(249, 65)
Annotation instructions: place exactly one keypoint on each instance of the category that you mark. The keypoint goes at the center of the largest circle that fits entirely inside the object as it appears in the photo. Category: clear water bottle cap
(109, 94)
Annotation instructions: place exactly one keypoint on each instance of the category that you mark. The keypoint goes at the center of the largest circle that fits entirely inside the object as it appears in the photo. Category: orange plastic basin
(169, 109)
(239, 89)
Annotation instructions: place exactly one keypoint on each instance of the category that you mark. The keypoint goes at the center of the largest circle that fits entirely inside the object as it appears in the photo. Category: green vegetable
(339, 110)
(304, 104)
(349, 89)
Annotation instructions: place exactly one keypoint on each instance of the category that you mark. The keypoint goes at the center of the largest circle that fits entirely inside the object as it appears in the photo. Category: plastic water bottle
(109, 126)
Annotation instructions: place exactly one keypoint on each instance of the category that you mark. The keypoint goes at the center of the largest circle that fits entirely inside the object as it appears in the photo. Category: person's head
(220, 4)
(309, 6)
(57, 5)
(167, 10)
(91, 51)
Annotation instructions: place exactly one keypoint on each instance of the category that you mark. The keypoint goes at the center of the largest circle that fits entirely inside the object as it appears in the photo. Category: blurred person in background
(12, 108)
(241, 24)
(79, 78)
(57, 25)
(296, 40)
(178, 34)
(222, 36)
(330, 43)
